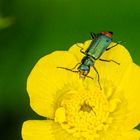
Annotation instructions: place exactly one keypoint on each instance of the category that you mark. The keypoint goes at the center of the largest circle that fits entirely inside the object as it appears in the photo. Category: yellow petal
(44, 130)
(130, 135)
(60, 115)
(38, 130)
(131, 88)
(113, 104)
(46, 81)
(118, 134)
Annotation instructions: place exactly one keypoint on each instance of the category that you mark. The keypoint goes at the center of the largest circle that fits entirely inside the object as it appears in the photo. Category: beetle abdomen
(98, 46)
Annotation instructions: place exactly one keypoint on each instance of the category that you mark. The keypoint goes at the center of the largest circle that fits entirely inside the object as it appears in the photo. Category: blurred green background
(30, 29)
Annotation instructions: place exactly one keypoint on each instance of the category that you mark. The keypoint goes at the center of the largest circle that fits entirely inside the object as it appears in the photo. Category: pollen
(85, 112)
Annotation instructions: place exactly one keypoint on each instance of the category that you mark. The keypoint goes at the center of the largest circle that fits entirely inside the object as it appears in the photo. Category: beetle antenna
(89, 77)
(67, 69)
(98, 76)
(119, 42)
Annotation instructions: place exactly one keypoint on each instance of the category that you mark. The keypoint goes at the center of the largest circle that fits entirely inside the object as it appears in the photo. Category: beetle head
(108, 34)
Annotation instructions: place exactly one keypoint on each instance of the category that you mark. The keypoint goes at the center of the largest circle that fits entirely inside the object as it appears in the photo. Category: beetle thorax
(88, 61)
(84, 68)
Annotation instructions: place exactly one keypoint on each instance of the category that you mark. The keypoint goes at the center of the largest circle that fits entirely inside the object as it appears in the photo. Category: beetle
(97, 47)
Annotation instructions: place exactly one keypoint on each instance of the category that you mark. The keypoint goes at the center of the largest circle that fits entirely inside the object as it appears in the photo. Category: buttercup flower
(78, 109)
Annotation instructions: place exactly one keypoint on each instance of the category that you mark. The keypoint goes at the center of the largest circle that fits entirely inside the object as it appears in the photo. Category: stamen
(86, 108)
(85, 112)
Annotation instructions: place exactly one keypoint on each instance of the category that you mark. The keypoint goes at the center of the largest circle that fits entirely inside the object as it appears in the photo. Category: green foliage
(30, 29)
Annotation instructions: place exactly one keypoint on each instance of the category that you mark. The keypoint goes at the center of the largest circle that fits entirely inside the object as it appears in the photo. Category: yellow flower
(77, 109)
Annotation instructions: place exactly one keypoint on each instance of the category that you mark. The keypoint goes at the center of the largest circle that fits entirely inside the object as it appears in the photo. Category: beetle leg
(109, 61)
(93, 35)
(67, 69)
(79, 46)
(115, 45)
(70, 69)
(98, 76)
(75, 66)
(89, 77)
(112, 46)
(81, 50)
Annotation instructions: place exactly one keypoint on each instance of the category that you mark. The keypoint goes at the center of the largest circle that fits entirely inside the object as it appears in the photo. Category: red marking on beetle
(107, 34)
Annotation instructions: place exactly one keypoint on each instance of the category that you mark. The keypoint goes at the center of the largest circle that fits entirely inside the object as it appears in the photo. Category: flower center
(85, 108)
(84, 113)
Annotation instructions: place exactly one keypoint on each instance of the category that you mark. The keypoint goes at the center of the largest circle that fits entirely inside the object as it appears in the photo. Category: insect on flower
(97, 47)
